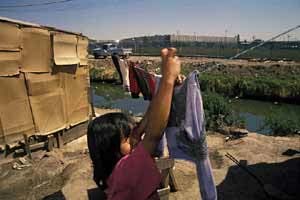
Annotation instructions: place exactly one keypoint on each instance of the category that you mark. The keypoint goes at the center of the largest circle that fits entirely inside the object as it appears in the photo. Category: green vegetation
(282, 125)
(266, 88)
(102, 74)
(218, 112)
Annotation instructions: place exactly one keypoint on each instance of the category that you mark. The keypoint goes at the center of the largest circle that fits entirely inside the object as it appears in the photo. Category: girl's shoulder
(135, 171)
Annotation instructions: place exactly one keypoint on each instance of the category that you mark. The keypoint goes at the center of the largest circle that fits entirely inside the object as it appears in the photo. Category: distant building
(168, 40)
(146, 41)
(206, 39)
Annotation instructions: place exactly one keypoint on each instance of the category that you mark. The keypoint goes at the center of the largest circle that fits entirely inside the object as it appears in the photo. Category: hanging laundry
(125, 74)
(185, 133)
(116, 60)
(186, 137)
(133, 85)
(141, 81)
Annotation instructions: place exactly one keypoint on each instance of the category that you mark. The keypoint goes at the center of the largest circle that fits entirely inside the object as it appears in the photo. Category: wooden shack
(44, 80)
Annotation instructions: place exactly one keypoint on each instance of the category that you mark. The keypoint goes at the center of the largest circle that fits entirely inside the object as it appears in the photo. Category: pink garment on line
(135, 177)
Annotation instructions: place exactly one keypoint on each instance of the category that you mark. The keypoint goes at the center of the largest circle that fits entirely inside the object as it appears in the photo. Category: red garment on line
(133, 85)
(141, 81)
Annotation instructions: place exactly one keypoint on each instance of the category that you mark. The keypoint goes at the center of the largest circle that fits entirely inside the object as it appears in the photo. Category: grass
(263, 88)
(102, 74)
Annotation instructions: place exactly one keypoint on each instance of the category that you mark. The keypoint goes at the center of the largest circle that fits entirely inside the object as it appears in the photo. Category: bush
(281, 125)
(218, 112)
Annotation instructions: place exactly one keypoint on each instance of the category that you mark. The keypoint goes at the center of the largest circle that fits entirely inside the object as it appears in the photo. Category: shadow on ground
(283, 177)
(93, 194)
(96, 194)
(55, 196)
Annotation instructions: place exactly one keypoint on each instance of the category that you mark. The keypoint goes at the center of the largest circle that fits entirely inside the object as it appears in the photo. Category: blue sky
(116, 19)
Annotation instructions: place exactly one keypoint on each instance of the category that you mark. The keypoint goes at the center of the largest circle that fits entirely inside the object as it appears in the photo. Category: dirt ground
(67, 173)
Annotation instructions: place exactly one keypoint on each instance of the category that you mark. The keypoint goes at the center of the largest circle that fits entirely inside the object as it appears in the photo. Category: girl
(123, 171)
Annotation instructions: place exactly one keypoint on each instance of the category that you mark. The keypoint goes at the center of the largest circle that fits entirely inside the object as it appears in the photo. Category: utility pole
(225, 42)
(133, 39)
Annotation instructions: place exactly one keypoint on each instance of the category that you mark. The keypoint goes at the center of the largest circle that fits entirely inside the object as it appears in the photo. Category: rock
(232, 131)
(224, 130)
(2, 147)
(238, 131)
(21, 163)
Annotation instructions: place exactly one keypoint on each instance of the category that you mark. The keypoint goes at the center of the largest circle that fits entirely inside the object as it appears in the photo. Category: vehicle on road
(111, 49)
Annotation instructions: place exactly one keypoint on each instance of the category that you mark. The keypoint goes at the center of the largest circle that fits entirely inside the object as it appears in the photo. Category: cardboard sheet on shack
(10, 36)
(76, 90)
(46, 97)
(16, 118)
(36, 52)
(64, 49)
(82, 52)
(10, 62)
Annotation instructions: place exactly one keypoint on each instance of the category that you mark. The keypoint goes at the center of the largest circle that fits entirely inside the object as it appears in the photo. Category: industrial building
(167, 40)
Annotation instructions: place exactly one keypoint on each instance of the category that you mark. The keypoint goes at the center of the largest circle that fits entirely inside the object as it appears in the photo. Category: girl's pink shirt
(134, 177)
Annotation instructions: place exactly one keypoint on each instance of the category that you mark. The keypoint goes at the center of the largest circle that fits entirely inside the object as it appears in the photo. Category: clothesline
(262, 43)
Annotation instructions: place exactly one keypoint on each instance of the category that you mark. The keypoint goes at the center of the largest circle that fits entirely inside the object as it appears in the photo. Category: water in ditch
(252, 111)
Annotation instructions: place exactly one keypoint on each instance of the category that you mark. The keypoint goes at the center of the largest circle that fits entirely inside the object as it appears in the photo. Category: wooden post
(60, 142)
(50, 143)
(166, 166)
(27, 147)
(172, 181)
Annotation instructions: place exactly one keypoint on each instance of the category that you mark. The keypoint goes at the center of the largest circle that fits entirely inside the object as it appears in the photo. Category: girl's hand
(170, 65)
(180, 79)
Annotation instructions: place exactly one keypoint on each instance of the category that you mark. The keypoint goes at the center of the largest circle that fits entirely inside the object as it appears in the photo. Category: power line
(36, 4)
(262, 43)
(65, 8)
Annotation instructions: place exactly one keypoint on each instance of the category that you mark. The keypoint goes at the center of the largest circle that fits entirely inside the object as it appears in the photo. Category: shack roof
(15, 21)
(5, 19)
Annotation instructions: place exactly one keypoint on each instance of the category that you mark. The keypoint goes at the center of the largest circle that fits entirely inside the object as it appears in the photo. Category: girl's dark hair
(104, 137)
